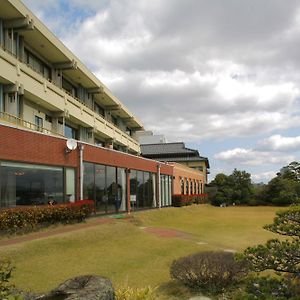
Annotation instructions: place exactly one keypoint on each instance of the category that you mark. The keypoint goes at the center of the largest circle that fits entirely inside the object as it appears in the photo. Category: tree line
(237, 188)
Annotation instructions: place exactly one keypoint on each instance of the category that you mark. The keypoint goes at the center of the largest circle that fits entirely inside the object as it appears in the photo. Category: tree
(235, 188)
(284, 189)
(242, 186)
(291, 171)
(280, 256)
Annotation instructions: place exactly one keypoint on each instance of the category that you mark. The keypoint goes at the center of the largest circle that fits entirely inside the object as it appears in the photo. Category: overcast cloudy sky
(222, 76)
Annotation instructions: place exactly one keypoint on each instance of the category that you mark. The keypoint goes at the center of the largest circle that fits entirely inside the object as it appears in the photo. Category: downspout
(158, 186)
(81, 147)
(128, 190)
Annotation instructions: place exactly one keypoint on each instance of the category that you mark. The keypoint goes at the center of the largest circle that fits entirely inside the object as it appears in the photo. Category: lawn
(129, 256)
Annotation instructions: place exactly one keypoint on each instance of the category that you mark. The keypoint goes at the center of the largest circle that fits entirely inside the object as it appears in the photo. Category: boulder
(88, 287)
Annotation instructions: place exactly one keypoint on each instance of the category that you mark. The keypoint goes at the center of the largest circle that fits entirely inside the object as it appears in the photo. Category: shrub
(128, 293)
(210, 271)
(23, 219)
(185, 200)
(5, 273)
(265, 288)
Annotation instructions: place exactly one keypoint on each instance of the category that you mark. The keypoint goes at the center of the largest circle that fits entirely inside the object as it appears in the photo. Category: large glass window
(88, 181)
(140, 189)
(100, 191)
(70, 184)
(133, 189)
(153, 190)
(113, 201)
(121, 179)
(27, 184)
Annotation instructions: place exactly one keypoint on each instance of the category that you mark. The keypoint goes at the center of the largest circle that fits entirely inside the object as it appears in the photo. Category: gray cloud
(195, 70)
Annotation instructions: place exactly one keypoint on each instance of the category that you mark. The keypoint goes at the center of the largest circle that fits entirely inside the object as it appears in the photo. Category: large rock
(88, 287)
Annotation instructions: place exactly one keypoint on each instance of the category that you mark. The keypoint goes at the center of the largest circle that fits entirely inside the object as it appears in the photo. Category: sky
(221, 76)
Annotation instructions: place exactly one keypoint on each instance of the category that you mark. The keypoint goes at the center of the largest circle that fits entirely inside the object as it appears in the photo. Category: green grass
(127, 255)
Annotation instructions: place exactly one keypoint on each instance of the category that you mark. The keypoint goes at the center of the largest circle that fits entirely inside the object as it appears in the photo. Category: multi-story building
(64, 135)
(190, 179)
(45, 87)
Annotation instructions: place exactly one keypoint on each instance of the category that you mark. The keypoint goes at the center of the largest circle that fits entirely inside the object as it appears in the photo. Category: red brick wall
(114, 158)
(30, 147)
(26, 146)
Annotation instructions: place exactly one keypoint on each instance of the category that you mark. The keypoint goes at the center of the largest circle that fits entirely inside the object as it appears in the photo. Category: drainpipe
(128, 190)
(158, 186)
(81, 147)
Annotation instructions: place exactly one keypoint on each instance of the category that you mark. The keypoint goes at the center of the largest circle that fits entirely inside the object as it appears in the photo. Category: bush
(266, 288)
(128, 293)
(209, 271)
(5, 273)
(185, 200)
(24, 219)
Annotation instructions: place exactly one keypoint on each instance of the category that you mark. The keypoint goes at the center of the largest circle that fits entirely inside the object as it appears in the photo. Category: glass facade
(30, 184)
(142, 189)
(105, 185)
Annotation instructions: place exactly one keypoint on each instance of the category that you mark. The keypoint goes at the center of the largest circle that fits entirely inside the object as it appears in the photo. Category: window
(187, 187)
(70, 184)
(37, 64)
(114, 120)
(182, 186)
(38, 122)
(71, 132)
(48, 118)
(69, 87)
(29, 184)
(99, 143)
(98, 109)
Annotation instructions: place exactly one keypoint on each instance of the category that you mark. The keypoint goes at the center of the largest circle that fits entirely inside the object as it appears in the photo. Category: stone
(88, 287)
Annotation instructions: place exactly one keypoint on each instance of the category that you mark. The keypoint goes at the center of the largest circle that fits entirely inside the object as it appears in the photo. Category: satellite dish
(71, 144)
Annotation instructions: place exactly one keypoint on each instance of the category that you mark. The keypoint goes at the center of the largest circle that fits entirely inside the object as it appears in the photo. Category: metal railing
(9, 118)
(108, 122)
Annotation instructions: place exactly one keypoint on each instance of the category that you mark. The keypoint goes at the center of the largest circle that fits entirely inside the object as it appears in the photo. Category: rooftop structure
(177, 152)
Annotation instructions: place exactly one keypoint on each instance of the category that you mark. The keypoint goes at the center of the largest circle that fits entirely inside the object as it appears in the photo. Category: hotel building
(48, 97)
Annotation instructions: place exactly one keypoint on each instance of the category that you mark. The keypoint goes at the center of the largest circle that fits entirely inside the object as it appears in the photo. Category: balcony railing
(107, 122)
(6, 117)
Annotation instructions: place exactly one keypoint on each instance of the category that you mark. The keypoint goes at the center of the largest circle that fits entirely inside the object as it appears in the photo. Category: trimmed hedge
(24, 219)
(185, 200)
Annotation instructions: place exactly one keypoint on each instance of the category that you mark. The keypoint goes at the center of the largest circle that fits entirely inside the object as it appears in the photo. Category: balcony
(18, 122)
(56, 99)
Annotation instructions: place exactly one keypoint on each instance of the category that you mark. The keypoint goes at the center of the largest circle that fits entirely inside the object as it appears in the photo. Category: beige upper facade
(45, 87)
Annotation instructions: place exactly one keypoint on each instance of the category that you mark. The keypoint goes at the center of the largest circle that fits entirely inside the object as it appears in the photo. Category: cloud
(281, 143)
(252, 158)
(197, 71)
(263, 177)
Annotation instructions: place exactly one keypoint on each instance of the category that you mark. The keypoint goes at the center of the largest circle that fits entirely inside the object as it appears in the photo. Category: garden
(138, 257)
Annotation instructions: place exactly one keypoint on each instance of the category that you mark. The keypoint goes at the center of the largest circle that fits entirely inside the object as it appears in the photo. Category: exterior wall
(200, 166)
(50, 76)
(181, 172)
(48, 95)
(22, 146)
